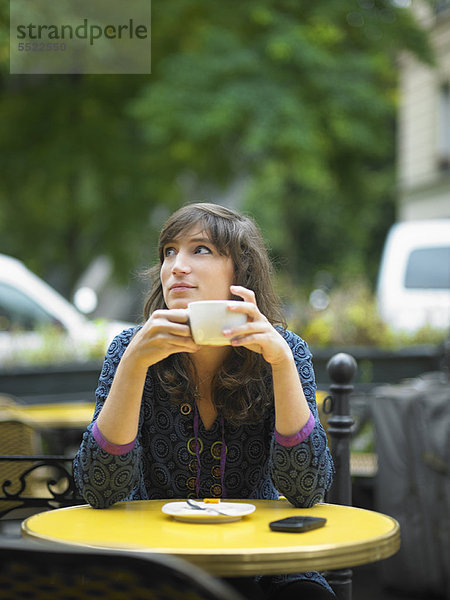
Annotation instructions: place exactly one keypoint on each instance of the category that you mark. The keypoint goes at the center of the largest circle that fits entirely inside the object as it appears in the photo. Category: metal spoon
(198, 506)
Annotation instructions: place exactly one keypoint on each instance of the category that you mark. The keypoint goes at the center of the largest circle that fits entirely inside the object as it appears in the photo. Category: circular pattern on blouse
(318, 443)
(91, 496)
(308, 480)
(233, 481)
(164, 421)
(255, 475)
(300, 456)
(179, 480)
(281, 457)
(123, 477)
(161, 474)
(216, 450)
(113, 347)
(180, 454)
(216, 490)
(160, 447)
(305, 372)
(234, 452)
(99, 475)
(287, 483)
(190, 483)
(106, 369)
(191, 446)
(215, 471)
(255, 449)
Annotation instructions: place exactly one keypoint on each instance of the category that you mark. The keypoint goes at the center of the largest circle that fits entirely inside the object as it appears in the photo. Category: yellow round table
(351, 536)
(53, 415)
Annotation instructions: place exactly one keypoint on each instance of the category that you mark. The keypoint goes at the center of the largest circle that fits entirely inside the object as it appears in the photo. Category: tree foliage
(295, 101)
(69, 157)
(289, 104)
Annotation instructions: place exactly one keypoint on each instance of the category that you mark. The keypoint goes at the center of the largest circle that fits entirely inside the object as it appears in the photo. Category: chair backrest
(17, 439)
(38, 572)
(29, 481)
(7, 401)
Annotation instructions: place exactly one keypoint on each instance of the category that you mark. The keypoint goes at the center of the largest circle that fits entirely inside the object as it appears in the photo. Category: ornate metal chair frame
(38, 572)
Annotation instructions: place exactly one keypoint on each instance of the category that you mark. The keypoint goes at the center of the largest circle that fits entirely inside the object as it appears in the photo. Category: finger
(177, 343)
(179, 330)
(247, 308)
(251, 342)
(251, 310)
(175, 315)
(162, 326)
(243, 292)
(251, 327)
(184, 345)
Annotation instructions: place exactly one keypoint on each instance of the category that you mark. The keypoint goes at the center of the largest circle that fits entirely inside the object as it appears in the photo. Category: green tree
(71, 185)
(291, 102)
(294, 101)
(74, 178)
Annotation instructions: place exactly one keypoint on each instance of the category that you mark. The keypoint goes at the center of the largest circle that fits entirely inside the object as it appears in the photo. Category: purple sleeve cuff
(293, 440)
(107, 446)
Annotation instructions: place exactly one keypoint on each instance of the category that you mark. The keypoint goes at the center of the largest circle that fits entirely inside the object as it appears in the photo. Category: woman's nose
(181, 263)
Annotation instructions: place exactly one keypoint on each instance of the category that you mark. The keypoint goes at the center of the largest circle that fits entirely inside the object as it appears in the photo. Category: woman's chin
(178, 303)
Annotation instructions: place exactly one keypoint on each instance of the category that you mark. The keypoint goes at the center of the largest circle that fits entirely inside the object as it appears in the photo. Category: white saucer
(181, 511)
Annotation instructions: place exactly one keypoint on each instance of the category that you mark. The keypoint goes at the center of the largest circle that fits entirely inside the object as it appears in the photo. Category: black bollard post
(341, 369)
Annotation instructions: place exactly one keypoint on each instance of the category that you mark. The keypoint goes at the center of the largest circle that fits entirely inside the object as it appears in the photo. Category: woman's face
(193, 270)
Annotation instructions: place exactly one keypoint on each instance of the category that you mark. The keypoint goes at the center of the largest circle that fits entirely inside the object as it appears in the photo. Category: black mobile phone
(297, 524)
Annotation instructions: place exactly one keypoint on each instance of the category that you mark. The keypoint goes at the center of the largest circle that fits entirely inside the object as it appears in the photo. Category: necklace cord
(223, 454)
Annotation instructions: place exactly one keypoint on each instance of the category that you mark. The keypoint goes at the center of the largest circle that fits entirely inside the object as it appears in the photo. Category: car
(34, 317)
(413, 288)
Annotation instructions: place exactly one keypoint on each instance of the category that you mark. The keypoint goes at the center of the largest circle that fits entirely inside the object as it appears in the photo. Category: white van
(414, 278)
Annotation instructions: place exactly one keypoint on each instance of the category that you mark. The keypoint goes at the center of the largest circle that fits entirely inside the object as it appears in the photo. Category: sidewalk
(367, 586)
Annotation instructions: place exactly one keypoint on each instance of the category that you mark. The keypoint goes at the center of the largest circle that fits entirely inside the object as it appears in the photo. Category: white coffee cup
(208, 318)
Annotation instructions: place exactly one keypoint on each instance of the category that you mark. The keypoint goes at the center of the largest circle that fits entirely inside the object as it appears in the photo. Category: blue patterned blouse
(163, 462)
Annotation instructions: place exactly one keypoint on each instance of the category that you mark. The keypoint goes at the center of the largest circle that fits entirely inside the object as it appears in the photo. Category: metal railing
(46, 482)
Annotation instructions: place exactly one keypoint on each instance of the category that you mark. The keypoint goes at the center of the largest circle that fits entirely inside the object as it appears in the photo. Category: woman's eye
(202, 250)
(169, 251)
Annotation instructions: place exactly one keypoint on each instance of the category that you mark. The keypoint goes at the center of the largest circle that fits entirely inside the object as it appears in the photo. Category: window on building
(441, 6)
(444, 127)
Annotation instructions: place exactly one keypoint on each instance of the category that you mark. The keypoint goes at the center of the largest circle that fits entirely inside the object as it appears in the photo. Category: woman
(174, 419)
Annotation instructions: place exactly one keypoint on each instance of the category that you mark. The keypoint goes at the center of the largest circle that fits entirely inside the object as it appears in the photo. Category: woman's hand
(165, 332)
(291, 408)
(257, 334)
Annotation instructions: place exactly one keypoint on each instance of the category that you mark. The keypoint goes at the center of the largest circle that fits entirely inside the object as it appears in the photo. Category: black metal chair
(38, 572)
(30, 481)
(18, 438)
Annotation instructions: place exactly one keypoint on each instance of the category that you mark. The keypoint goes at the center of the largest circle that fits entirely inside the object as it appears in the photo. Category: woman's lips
(181, 287)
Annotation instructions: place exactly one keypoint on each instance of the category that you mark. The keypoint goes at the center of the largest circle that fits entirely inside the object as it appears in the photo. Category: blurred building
(424, 122)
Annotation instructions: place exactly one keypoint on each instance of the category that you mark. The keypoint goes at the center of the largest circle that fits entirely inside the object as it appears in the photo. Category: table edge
(223, 564)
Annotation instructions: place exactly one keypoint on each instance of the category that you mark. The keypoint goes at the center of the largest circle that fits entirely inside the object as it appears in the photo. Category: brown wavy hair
(242, 388)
